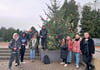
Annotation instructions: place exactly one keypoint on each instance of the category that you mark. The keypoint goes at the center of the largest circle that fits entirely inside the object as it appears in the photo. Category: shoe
(19, 66)
(32, 60)
(87, 68)
(92, 68)
(23, 62)
(16, 64)
(62, 63)
(65, 65)
(77, 66)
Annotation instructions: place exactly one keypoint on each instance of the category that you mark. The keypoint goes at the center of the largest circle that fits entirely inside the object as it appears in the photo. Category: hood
(23, 34)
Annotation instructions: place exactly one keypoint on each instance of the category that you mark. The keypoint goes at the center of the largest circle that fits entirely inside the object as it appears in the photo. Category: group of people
(18, 45)
(78, 46)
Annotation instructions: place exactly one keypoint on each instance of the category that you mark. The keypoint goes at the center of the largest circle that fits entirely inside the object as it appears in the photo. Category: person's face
(23, 35)
(34, 36)
(35, 32)
(86, 35)
(16, 37)
(68, 38)
(44, 27)
(77, 36)
(30, 30)
(63, 40)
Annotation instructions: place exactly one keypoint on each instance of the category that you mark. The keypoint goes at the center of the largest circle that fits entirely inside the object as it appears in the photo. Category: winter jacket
(15, 44)
(70, 45)
(76, 46)
(87, 48)
(33, 44)
(23, 41)
(43, 33)
(30, 35)
(64, 50)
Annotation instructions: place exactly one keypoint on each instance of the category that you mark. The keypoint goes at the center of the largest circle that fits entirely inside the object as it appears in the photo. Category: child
(15, 47)
(76, 49)
(32, 45)
(63, 56)
(70, 46)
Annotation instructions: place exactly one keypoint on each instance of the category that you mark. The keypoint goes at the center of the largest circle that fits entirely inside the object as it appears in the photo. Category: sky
(24, 14)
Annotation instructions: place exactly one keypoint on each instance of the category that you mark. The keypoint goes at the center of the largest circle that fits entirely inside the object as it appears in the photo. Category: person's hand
(23, 44)
(15, 49)
(41, 36)
(19, 48)
(92, 54)
(48, 34)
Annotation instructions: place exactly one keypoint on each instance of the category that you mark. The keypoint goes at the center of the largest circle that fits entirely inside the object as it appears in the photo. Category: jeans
(32, 54)
(12, 57)
(77, 55)
(69, 57)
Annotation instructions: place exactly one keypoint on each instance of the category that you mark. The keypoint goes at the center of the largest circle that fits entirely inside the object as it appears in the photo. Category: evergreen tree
(90, 22)
(62, 22)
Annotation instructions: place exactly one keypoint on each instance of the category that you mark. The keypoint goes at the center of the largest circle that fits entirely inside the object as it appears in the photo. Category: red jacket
(70, 45)
(76, 47)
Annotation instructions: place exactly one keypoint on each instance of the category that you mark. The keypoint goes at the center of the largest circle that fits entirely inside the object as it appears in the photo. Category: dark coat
(31, 34)
(64, 50)
(14, 44)
(23, 40)
(43, 33)
(87, 48)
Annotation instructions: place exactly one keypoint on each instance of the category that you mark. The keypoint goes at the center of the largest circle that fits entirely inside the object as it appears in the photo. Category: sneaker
(65, 65)
(23, 62)
(32, 60)
(62, 63)
(16, 64)
(87, 68)
(77, 66)
(93, 68)
(19, 66)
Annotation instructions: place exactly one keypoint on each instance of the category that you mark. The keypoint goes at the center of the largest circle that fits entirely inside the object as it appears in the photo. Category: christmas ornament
(69, 28)
(48, 25)
(56, 36)
(59, 20)
(71, 15)
(47, 18)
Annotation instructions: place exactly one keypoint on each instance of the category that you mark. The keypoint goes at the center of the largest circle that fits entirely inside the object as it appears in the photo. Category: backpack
(46, 59)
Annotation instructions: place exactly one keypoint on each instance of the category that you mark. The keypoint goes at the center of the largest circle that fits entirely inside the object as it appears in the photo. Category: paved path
(38, 65)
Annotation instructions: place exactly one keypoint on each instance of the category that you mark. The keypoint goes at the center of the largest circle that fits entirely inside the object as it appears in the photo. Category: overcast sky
(23, 14)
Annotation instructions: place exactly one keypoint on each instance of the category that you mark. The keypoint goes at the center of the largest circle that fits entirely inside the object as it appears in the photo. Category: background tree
(62, 22)
(90, 22)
